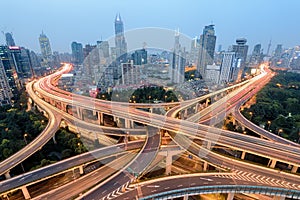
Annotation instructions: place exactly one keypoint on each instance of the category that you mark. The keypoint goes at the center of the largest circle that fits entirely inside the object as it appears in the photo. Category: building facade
(77, 53)
(207, 46)
(45, 48)
(121, 45)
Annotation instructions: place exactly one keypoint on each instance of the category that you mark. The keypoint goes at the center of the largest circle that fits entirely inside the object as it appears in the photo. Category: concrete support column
(127, 123)
(7, 175)
(205, 166)
(208, 145)
(294, 169)
(243, 155)
(25, 192)
(206, 103)
(230, 196)
(185, 113)
(63, 107)
(79, 113)
(151, 110)
(81, 169)
(233, 121)
(54, 140)
(114, 118)
(197, 108)
(186, 197)
(169, 161)
(273, 163)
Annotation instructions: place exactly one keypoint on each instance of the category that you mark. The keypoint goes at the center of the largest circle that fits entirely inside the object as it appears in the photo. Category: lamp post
(279, 131)
(269, 124)
(25, 135)
(251, 114)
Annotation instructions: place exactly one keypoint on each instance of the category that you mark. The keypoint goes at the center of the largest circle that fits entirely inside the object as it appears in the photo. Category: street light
(269, 124)
(251, 114)
(149, 98)
(279, 131)
(166, 97)
(25, 135)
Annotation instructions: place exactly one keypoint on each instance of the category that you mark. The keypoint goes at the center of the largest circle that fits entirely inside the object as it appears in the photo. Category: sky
(87, 21)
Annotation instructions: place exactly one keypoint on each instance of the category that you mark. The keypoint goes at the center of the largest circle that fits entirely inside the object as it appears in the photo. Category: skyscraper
(256, 56)
(121, 45)
(207, 49)
(77, 53)
(45, 48)
(9, 39)
(178, 62)
(139, 57)
(241, 50)
(10, 71)
(194, 53)
(5, 90)
(227, 67)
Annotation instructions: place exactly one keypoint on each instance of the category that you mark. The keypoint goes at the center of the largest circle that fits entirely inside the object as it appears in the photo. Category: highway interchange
(185, 133)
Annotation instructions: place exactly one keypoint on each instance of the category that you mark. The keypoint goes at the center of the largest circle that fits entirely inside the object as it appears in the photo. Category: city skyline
(65, 22)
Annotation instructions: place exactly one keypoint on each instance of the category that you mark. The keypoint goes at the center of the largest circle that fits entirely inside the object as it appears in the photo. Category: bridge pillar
(127, 123)
(185, 113)
(151, 110)
(81, 169)
(230, 196)
(79, 113)
(208, 145)
(63, 107)
(205, 166)
(7, 175)
(273, 163)
(294, 169)
(186, 197)
(243, 155)
(169, 161)
(197, 108)
(206, 102)
(100, 118)
(25, 192)
(54, 140)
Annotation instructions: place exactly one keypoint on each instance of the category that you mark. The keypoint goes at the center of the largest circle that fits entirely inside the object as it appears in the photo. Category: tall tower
(45, 48)
(9, 39)
(207, 48)
(241, 50)
(227, 67)
(178, 61)
(77, 53)
(5, 89)
(121, 45)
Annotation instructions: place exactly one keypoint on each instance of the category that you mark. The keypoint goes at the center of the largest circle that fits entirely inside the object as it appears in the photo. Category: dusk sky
(86, 21)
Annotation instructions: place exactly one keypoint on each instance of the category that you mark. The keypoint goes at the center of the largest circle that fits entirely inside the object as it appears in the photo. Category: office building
(212, 74)
(77, 53)
(207, 46)
(278, 51)
(139, 57)
(178, 61)
(227, 67)
(9, 39)
(6, 94)
(241, 50)
(121, 45)
(45, 49)
(10, 71)
(104, 47)
(194, 53)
